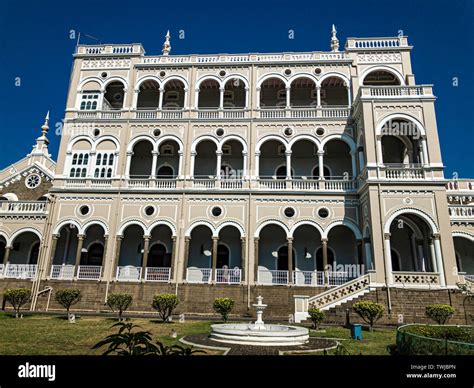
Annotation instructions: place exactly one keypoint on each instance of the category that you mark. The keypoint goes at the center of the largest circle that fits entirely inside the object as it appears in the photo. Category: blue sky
(35, 45)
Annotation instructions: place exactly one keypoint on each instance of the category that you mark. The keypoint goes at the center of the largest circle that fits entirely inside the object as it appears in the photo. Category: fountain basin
(269, 335)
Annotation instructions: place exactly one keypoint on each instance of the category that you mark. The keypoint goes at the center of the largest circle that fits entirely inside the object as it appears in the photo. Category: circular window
(320, 131)
(287, 71)
(288, 131)
(222, 73)
(84, 210)
(149, 210)
(216, 211)
(289, 212)
(323, 212)
(104, 74)
(317, 70)
(162, 73)
(157, 132)
(219, 132)
(96, 132)
(32, 181)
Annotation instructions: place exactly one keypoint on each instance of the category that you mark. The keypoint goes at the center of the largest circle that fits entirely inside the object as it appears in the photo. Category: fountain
(259, 334)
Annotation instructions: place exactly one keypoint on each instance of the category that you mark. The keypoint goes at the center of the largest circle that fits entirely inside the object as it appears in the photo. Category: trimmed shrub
(223, 306)
(316, 316)
(67, 297)
(440, 313)
(165, 304)
(17, 297)
(370, 312)
(119, 302)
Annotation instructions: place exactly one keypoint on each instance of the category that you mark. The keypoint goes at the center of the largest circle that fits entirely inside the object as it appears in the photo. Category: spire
(167, 46)
(41, 146)
(334, 40)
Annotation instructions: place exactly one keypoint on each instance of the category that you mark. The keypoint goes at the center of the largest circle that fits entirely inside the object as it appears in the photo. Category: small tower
(334, 40)
(167, 46)
(41, 146)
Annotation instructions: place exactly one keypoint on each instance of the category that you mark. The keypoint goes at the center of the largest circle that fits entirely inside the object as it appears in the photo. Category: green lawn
(53, 335)
(373, 343)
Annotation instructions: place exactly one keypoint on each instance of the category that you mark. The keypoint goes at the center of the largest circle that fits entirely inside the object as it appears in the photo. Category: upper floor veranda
(119, 82)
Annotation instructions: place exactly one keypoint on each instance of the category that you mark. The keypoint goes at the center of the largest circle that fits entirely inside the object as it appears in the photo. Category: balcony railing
(395, 92)
(198, 275)
(20, 271)
(23, 207)
(157, 274)
(128, 273)
(460, 185)
(89, 272)
(100, 114)
(221, 275)
(333, 112)
(304, 278)
(62, 272)
(228, 275)
(466, 211)
(397, 171)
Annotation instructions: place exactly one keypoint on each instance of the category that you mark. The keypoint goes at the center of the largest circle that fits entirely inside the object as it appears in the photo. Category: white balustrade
(76, 182)
(404, 172)
(20, 271)
(172, 114)
(204, 183)
(272, 277)
(231, 183)
(338, 184)
(23, 206)
(466, 211)
(305, 184)
(128, 273)
(165, 183)
(89, 272)
(273, 184)
(146, 114)
(198, 275)
(62, 272)
(157, 274)
(228, 275)
(101, 182)
(308, 278)
(139, 183)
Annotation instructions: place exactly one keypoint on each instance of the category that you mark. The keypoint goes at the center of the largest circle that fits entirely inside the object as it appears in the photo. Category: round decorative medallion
(32, 181)
(407, 201)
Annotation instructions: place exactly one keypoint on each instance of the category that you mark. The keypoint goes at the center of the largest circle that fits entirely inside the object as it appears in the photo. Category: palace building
(311, 178)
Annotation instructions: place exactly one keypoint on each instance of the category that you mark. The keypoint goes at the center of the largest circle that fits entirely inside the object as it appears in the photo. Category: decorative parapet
(391, 43)
(416, 278)
(110, 50)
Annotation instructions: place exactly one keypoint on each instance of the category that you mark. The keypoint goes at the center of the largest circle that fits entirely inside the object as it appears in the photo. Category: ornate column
(288, 164)
(255, 247)
(80, 242)
(414, 251)
(92, 164)
(6, 255)
(135, 98)
(185, 99)
(368, 253)
(243, 258)
(196, 98)
(244, 164)
(324, 244)
(219, 164)
(426, 160)
(388, 259)
(54, 243)
(104, 255)
(439, 259)
(290, 260)
(421, 259)
(318, 96)
(180, 165)
(128, 163)
(354, 167)
(160, 102)
(146, 245)
(434, 267)
(321, 164)
(257, 164)
(221, 98)
(118, 245)
(258, 97)
(187, 240)
(378, 146)
(173, 257)
(247, 89)
(191, 164)
(349, 97)
(288, 98)
(360, 150)
(154, 161)
(215, 241)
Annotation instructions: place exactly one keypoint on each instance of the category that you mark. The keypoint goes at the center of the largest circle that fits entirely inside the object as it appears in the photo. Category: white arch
(61, 224)
(272, 222)
(148, 77)
(96, 222)
(233, 137)
(10, 196)
(401, 116)
(421, 214)
(5, 236)
(340, 136)
(116, 78)
(334, 74)
(278, 138)
(303, 75)
(21, 231)
(306, 222)
(230, 77)
(129, 223)
(272, 75)
(203, 138)
(162, 223)
(312, 139)
(78, 138)
(89, 79)
(208, 77)
(178, 78)
(139, 138)
(413, 226)
(170, 137)
(388, 69)
(351, 225)
(199, 223)
(229, 223)
(100, 139)
(465, 235)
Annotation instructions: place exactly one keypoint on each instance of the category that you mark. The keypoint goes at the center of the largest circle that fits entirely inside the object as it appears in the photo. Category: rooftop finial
(41, 146)
(45, 127)
(167, 46)
(334, 40)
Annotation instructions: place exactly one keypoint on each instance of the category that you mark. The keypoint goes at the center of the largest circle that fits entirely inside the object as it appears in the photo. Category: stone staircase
(331, 298)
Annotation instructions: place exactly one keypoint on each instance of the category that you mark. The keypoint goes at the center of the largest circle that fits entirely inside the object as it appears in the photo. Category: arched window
(223, 256)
